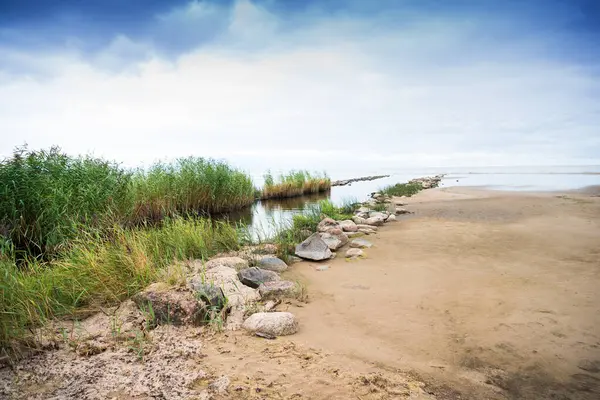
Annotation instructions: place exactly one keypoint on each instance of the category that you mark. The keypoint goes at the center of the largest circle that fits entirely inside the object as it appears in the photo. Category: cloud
(313, 90)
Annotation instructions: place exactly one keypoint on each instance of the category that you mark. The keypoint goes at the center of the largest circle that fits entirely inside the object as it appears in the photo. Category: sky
(327, 84)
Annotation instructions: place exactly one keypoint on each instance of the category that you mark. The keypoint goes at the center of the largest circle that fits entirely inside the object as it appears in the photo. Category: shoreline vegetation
(345, 182)
(81, 233)
(293, 184)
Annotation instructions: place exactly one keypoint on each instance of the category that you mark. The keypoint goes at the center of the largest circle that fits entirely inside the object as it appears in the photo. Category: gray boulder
(272, 264)
(278, 289)
(210, 294)
(375, 221)
(326, 224)
(273, 323)
(313, 248)
(254, 276)
(333, 241)
(391, 218)
(227, 279)
(360, 243)
(348, 226)
(359, 220)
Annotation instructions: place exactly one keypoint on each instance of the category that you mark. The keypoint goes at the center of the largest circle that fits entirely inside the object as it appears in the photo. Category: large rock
(236, 263)
(333, 241)
(326, 224)
(375, 221)
(348, 226)
(313, 248)
(364, 210)
(227, 279)
(274, 323)
(209, 293)
(272, 264)
(254, 276)
(354, 253)
(360, 243)
(359, 220)
(278, 289)
(169, 305)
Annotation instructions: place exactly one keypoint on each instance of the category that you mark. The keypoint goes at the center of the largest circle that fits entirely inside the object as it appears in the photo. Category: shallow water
(264, 217)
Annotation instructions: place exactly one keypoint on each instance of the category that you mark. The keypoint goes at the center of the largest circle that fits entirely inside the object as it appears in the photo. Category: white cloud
(330, 93)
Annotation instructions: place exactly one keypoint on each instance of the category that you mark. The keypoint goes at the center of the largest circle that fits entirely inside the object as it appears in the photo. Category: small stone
(220, 385)
(278, 289)
(391, 218)
(274, 323)
(348, 226)
(364, 209)
(322, 268)
(254, 276)
(355, 234)
(269, 305)
(272, 264)
(366, 231)
(333, 255)
(360, 243)
(354, 253)
(293, 260)
(375, 221)
(400, 210)
(359, 220)
(364, 226)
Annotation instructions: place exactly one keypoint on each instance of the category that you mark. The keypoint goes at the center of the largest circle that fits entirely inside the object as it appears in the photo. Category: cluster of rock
(224, 289)
(428, 182)
(345, 182)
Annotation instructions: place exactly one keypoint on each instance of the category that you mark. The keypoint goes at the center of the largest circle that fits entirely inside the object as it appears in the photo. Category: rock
(267, 248)
(270, 305)
(170, 305)
(364, 210)
(236, 263)
(366, 231)
(274, 323)
(254, 276)
(359, 220)
(335, 231)
(278, 289)
(360, 243)
(354, 234)
(333, 255)
(272, 264)
(327, 224)
(348, 226)
(220, 385)
(354, 253)
(226, 278)
(363, 215)
(334, 242)
(375, 221)
(400, 210)
(378, 214)
(210, 294)
(313, 248)
(365, 226)
(399, 203)
(322, 268)
(391, 218)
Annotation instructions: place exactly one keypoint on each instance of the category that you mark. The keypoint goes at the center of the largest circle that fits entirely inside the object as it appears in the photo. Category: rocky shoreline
(233, 291)
(345, 182)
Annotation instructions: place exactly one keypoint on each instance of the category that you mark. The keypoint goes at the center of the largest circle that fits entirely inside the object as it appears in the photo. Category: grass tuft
(402, 189)
(295, 183)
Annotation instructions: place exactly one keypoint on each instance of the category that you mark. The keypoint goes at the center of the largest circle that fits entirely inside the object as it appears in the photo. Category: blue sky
(318, 84)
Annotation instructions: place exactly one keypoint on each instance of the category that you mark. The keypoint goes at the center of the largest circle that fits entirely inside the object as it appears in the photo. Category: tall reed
(294, 183)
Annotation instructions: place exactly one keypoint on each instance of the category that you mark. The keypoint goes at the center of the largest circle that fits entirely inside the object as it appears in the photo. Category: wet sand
(492, 294)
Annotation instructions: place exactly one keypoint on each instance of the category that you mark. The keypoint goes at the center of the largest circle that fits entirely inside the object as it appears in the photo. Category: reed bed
(402, 189)
(294, 183)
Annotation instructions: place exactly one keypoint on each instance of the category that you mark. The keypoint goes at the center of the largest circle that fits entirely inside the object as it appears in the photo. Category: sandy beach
(477, 295)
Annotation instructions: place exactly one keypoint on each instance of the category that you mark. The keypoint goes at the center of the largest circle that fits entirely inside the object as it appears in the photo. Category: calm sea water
(264, 217)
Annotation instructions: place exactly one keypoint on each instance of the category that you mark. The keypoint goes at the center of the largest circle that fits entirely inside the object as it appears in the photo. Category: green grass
(294, 183)
(402, 189)
(189, 186)
(100, 270)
